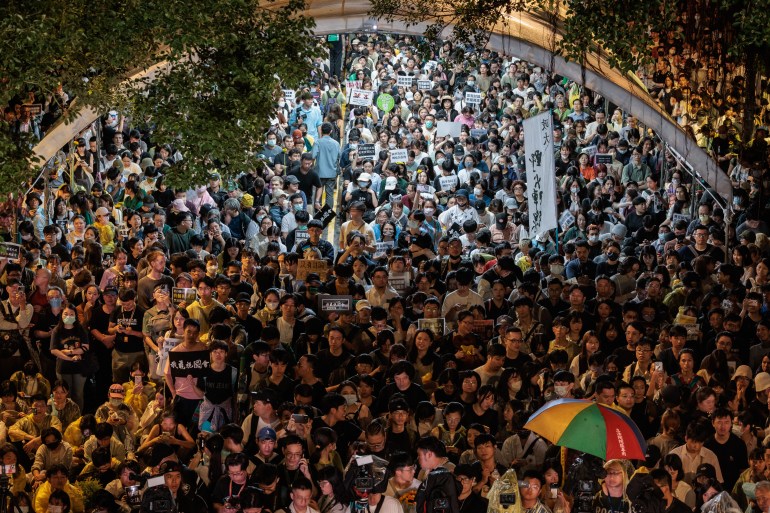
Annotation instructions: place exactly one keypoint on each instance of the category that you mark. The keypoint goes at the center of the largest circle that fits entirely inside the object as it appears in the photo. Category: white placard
(448, 128)
(289, 95)
(404, 80)
(399, 155)
(590, 150)
(473, 98)
(424, 84)
(541, 173)
(431, 65)
(361, 97)
(448, 182)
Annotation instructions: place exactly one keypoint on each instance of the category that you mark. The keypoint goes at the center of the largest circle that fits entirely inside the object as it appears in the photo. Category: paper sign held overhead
(404, 80)
(366, 151)
(399, 155)
(448, 128)
(289, 95)
(473, 98)
(361, 97)
(424, 84)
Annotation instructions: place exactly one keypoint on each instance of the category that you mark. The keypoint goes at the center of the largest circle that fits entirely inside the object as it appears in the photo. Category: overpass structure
(522, 35)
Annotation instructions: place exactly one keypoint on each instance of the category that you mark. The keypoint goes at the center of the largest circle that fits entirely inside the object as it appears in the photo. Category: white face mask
(557, 269)
(272, 305)
(478, 192)
(737, 430)
(350, 398)
(429, 211)
(561, 390)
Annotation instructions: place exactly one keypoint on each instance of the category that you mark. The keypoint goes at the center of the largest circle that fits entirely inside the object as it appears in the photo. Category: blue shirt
(326, 152)
(313, 118)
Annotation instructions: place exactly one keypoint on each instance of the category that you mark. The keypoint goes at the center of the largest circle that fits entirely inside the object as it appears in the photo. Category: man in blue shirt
(309, 113)
(326, 152)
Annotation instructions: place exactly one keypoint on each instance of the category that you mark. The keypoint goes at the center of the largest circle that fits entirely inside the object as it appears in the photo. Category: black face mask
(52, 446)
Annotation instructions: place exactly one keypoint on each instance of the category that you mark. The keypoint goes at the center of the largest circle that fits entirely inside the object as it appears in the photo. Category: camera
(364, 484)
(584, 499)
(299, 418)
(507, 499)
(158, 500)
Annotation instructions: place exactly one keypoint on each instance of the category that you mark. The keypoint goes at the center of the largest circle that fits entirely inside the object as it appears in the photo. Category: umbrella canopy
(589, 427)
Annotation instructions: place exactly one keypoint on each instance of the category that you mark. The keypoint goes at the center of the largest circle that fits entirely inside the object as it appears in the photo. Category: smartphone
(658, 366)
(554, 490)
(299, 418)
(9, 470)
(137, 380)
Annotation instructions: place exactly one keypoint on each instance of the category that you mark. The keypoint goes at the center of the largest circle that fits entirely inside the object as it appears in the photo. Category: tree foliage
(618, 31)
(213, 100)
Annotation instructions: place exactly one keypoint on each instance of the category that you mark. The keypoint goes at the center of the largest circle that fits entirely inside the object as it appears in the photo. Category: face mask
(737, 430)
(439, 161)
(211, 268)
(612, 257)
(429, 124)
(69, 320)
(662, 237)
(413, 224)
(363, 185)
(52, 445)
(55, 302)
(575, 190)
(675, 181)
(648, 318)
(557, 269)
(298, 207)
(54, 509)
(350, 398)
(471, 82)
(271, 142)
(560, 390)
(353, 146)
(259, 219)
(593, 238)
(478, 192)
(429, 211)
(548, 396)
(514, 387)
(703, 219)
(116, 401)
(613, 375)
(392, 146)
(272, 305)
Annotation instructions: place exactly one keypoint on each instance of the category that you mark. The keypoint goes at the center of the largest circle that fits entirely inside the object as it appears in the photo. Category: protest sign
(366, 151)
(325, 215)
(382, 248)
(478, 133)
(404, 80)
(385, 102)
(305, 267)
(361, 97)
(541, 173)
(473, 98)
(188, 363)
(424, 84)
(675, 218)
(9, 250)
(437, 326)
(289, 95)
(447, 182)
(36, 109)
(400, 282)
(181, 295)
(448, 128)
(566, 220)
(335, 304)
(590, 150)
(300, 236)
(399, 155)
(423, 187)
(484, 328)
(603, 158)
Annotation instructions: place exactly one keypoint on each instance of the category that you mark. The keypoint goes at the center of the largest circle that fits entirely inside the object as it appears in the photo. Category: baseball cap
(117, 391)
(291, 179)
(362, 305)
(243, 297)
(391, 183)
(170, 466)
(266, 396)
(463, 193)
(706, 470)
(110, 289)
(762, 381)
(267, 433)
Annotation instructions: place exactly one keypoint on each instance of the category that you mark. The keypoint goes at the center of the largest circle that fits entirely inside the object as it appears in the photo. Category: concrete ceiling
(521, 35)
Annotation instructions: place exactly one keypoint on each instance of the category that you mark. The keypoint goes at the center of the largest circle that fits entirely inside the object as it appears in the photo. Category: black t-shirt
(128, 343)
(100, 321)
(732, 456)
(46, 321)
(218, 385)
(307, 182)
(68, 339)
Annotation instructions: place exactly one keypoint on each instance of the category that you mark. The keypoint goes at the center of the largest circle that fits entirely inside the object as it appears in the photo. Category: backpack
(10, 340)
(438, 493)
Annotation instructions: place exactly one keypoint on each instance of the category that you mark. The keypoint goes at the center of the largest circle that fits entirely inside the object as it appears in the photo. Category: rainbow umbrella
(589, 427)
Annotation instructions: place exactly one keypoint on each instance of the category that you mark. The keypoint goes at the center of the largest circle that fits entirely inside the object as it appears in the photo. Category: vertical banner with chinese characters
(541, 173)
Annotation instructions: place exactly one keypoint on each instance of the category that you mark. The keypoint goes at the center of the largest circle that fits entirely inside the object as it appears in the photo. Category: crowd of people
(158, 336)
